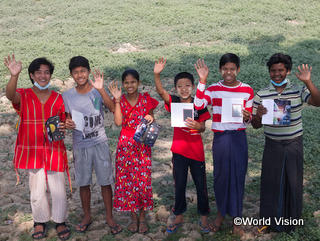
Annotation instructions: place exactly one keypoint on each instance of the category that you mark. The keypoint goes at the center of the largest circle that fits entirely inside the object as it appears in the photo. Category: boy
(282, 162)
(187, 149)
(45, 161)
(230, 148)
(90, 147)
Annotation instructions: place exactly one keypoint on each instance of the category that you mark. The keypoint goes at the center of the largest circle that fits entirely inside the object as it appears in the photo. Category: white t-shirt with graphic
(90, 105)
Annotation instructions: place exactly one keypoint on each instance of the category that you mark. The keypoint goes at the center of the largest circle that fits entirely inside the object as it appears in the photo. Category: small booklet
(78, 119)
(54, 133)
(278, 112)
(232, 110)
(180, 112)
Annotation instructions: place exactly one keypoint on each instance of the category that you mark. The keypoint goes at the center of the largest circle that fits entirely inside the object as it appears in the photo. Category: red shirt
(33, 149)
(188, 142)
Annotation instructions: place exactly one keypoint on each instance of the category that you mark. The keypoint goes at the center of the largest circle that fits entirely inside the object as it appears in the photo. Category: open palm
(113, 88)
(202, 69)
(159, 65)
(13, 66)
(304, 73)
(98, 79)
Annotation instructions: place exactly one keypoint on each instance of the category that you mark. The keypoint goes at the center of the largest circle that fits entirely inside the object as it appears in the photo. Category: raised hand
(13, 66)
(304, 73)
(113, 88)
(98, 79)
(202, 70)
(159, 65)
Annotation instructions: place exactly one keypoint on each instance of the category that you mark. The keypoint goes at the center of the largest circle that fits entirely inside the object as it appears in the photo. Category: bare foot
(237, 230)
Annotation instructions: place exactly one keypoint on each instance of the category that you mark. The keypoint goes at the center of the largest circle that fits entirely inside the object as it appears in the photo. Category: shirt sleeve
(152, 103)
(305, 94)
(22, 99)
(204, 115)
(202, 99)
(62, 112)
(256, 103)
(249, 102)
(65, 101)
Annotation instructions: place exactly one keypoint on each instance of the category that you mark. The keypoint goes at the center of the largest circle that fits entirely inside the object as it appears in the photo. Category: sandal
(42, 234)
(133, 226)
(214, 228)
(204, 229)
(173, 228)
(262, 230)
(115, 229)
(143, 227)
(83, 227)
(65, 231)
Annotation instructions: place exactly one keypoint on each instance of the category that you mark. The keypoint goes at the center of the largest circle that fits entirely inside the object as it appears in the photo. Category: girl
(133, 191)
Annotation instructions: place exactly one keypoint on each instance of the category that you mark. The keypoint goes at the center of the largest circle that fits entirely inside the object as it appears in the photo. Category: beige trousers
(39, 196)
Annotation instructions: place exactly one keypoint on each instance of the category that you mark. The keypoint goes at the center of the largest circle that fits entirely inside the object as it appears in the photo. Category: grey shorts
(97, 157)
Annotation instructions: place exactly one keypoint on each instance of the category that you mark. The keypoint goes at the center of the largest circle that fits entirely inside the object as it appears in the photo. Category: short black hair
(35, 65)
(132, 72)
(280, 58)
(183, 75)
(78, 61)
(229, 58)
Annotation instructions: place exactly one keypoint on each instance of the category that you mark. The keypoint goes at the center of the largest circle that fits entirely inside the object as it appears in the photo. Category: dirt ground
(16, 220)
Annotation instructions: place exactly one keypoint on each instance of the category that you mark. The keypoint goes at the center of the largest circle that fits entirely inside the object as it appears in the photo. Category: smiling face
(229, 73)
(130, 84)
(80, 75)
(278, 72)
(42, 76)
(184, 88)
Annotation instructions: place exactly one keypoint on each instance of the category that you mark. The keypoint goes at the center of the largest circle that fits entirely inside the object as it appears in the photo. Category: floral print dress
(133, 190)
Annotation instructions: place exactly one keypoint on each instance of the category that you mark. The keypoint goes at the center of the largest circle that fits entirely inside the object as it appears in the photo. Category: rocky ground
(15, 214)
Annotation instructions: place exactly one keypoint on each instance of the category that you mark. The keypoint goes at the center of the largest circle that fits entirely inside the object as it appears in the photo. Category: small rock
(162, 214)
(316, 214)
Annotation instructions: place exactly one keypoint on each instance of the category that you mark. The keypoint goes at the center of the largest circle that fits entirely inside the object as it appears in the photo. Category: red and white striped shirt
(214, 94)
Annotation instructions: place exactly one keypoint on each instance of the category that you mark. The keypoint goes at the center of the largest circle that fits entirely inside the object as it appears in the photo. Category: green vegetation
(182, 31)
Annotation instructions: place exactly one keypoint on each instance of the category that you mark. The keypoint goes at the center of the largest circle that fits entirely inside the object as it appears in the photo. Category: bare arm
(158, 67)
(15, 69)
(203, 71)
(116, 93)
(98, 85)
(304, 75)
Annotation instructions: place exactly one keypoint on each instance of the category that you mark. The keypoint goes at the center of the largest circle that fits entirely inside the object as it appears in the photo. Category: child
(229, 148)
(133, 190)
(282, 162)
(45, 161)
(90, 146)
(187, 149)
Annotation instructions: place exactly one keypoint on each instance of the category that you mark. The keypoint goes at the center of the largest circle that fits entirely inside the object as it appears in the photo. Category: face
(229, 73)
(278, 72)
(130, 84)
(184, 88)
(80, 75)
(42, 76)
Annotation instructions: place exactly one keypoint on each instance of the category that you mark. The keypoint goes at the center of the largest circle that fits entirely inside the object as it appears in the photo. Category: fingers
(149, 118)
(200, 64)
(70, 124)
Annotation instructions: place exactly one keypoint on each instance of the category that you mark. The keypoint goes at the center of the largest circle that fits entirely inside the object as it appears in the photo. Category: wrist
(203, 80)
